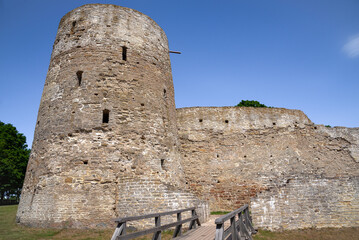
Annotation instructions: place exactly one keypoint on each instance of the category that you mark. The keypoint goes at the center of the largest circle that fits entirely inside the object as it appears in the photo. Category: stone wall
(109, 141)
(107, 116)
(293, 173)
(309, 201)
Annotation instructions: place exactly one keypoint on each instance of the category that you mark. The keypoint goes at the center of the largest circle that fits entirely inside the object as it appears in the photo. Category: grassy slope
(311, 234)
(9, 230)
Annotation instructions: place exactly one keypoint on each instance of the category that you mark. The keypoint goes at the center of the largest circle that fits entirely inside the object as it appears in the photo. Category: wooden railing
(240, 229)
(120, 231)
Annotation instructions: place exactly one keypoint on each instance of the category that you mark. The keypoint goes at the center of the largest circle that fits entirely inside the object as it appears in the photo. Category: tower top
(108, 26)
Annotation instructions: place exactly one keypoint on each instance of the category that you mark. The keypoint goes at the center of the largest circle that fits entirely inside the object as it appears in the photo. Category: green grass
(310, 234)
(264, 235)
(9, 230)
(219, 213)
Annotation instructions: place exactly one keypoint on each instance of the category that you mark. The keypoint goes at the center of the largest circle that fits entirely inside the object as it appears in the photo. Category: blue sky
(296, 54)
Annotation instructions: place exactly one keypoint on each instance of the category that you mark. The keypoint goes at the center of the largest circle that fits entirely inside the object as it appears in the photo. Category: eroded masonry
(109, 141)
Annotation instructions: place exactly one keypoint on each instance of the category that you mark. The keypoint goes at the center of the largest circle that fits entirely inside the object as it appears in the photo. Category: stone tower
(105, 143)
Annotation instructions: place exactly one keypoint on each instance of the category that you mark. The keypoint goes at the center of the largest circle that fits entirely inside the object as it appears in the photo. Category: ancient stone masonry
(109, 141)
(293, 173)
(106, 141)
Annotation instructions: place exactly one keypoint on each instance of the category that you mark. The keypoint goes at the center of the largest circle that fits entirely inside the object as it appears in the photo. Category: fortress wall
(144, 193)
(309, 201)
(80, 162)
(293, 173)
(108, 142)
(226, 119)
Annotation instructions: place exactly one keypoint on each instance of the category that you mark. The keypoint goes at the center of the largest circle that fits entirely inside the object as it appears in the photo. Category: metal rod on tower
(174, 52)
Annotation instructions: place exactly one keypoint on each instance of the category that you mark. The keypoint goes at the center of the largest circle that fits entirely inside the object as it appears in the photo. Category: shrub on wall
(250, 103)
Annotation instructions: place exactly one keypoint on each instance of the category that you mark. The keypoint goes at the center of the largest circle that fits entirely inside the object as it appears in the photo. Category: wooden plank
(133, 218)
(224, 218)
(219, 232)
(178, 230)
(249, 222)
(157, 235)
(234, 232)
(243, 229)
(153, 230)
(118, 231)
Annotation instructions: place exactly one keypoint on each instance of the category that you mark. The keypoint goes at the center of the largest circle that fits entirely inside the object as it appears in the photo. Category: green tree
(14, 156)
(250, 103)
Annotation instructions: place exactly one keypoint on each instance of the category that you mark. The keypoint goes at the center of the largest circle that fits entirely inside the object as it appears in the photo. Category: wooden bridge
(236, 225)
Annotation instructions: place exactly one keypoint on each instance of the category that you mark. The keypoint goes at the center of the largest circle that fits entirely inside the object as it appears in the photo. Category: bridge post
(178, 230)
(241, 229)
(245, 234)
(219, 231)
(120, 230)
(157, 235)
(248, 221)
(193, 222)
(233, 228)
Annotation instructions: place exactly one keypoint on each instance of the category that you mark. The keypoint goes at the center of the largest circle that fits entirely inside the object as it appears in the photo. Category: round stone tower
(105, 143)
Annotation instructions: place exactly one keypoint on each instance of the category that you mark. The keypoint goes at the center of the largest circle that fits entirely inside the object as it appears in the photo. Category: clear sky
(296, 54)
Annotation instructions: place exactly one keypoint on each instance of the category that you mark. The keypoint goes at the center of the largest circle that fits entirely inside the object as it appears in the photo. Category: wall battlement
(239, 118)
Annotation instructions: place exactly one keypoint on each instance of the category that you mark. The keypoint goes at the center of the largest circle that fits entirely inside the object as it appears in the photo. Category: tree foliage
(250, 103)
(14, 156)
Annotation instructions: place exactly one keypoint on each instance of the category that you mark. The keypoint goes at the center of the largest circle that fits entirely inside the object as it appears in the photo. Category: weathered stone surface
(109, 141)
(293, 173)
(83, 172)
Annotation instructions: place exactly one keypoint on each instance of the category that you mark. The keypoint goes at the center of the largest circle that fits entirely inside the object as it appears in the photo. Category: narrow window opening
(105, 116)
(85, 162)
(73, 27)
(162, 163)
(164, 93)
(201, 120)
(79, 77)
(218, 155)
(274, 124)
(124, 53)
(226, 121)
(142, 104)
